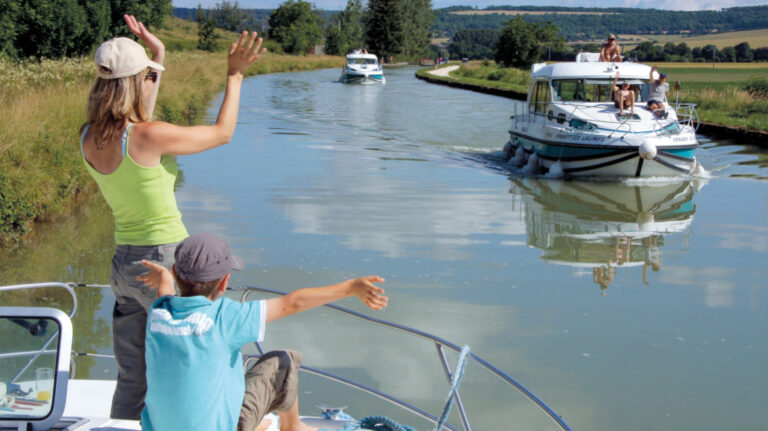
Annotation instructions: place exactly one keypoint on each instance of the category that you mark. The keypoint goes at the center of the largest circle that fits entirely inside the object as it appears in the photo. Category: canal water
(640, 305)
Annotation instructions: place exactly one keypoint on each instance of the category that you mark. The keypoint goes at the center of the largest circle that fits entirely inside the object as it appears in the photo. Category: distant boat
(569, 125)
(362, 68)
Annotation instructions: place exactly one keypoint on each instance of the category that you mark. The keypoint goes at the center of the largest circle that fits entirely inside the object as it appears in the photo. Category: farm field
(528, 12)
(755, 38)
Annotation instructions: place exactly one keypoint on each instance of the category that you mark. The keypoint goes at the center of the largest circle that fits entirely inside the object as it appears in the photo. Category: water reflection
(604, 226)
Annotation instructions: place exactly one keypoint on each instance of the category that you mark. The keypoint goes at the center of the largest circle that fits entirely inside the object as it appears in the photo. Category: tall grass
(42, 106)
(489, 74)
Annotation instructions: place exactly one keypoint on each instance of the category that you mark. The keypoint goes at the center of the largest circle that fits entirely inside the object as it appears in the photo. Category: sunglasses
(151, 76)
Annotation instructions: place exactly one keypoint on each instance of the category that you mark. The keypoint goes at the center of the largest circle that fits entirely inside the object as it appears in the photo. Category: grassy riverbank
(42, 106)
(733, 94)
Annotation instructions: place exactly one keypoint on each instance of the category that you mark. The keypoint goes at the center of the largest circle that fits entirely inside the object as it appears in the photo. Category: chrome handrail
(439, 343)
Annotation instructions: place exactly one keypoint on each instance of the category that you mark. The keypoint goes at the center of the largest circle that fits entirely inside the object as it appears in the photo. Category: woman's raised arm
(162, 138)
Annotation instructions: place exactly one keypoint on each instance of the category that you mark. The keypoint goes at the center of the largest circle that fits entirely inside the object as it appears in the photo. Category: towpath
(444, 71)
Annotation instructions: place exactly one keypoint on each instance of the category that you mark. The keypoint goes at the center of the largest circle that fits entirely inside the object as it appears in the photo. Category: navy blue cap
(205, 257)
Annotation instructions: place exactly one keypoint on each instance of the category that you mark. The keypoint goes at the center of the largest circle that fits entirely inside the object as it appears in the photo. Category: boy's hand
(153, 43)
(367, 292)
(158, 278)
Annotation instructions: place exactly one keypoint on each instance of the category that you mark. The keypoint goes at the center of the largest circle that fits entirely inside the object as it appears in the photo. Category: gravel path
(443, 71)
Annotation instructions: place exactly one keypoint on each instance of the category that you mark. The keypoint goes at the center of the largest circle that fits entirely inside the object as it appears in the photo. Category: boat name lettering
(681, 139)
(579, 137)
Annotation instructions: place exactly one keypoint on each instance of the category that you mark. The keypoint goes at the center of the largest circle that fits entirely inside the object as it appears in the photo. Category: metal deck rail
(440, 345)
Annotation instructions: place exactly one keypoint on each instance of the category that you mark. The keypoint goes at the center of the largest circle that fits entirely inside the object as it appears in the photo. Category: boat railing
(687, 115)
(440, 344)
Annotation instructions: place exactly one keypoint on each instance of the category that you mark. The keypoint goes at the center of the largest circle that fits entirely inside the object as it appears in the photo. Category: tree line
(59, 28)
(483, 44)
(600, 22)
(66, 28)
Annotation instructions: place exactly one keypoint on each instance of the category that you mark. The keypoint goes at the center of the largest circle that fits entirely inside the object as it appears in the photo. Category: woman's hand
(153, 43)
(244, 53)
(368, 293)
(158, 278)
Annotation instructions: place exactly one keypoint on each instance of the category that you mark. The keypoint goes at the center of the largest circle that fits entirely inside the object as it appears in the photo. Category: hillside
(593, 23)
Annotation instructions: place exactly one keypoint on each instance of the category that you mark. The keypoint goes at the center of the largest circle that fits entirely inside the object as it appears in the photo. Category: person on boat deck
(194, 364)
(127, 155)
(624, 97)
(658, 94)
(610, 51)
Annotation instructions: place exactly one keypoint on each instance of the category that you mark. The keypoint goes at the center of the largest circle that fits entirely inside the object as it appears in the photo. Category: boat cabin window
(28, 356)
(540, 97)
(591, 90)
(361, 61)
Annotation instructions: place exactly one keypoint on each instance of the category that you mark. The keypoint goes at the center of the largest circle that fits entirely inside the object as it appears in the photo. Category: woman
(624, 96)
(127, 155)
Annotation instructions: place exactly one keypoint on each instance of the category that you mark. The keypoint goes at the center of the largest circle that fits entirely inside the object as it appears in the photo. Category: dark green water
(631, 306)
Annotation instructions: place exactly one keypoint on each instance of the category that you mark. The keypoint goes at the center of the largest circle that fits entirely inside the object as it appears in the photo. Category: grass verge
(42, 106)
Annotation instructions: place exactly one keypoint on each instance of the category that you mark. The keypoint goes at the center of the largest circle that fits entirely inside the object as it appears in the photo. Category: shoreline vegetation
(732, 96)
(42, 106)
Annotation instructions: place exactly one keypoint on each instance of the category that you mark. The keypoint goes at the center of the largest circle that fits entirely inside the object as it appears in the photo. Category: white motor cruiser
(569, 124)
(362, 68)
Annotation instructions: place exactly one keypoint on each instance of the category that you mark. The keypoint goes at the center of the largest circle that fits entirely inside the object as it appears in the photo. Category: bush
(757, 86)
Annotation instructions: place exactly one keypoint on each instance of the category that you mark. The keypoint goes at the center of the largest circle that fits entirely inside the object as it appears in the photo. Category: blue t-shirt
(194, 362)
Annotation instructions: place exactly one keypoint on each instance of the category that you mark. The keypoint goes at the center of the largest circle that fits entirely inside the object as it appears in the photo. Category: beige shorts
(270, 384)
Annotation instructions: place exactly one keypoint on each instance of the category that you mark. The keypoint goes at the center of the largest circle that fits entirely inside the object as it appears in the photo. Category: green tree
(229, 16)
(416, 35)
(57, 28)
(295, 25)
(743, 52)
(206, 30)
(384, 22)
(345, 32)
(522, 43)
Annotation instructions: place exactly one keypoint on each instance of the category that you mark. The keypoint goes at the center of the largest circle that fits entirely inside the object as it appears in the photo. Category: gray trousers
(271, 384)
(129, 324)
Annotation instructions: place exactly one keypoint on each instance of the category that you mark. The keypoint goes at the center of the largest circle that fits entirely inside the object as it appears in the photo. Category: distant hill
(590, 23)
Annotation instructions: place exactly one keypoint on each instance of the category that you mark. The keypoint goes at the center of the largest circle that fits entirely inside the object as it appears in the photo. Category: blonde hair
(111, 102)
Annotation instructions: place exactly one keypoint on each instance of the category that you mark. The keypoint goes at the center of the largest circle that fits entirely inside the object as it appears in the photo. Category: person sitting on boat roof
(658, 94)
(610, 51)
(623, 96)
(195, 374)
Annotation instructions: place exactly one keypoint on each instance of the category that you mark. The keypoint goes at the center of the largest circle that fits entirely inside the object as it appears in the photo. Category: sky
(663, 4)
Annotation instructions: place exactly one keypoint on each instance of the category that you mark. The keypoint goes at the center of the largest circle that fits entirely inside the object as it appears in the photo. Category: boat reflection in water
(604, 226)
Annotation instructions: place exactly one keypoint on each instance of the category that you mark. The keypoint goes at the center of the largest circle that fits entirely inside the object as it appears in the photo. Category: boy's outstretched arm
(158, 278)
(304, 299)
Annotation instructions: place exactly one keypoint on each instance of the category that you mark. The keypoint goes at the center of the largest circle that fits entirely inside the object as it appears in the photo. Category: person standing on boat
(658, 94)
(194, 341)
(128, 156)
(610, 51)
(623, 96)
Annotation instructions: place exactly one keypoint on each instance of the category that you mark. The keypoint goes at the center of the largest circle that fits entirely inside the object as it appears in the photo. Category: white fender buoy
(646, 222)
(555, 171)
(532, 167)
(509, 150)
(520, 157)
(647, 150)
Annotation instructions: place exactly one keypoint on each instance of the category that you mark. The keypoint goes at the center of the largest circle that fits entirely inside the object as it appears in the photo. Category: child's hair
(196, 288)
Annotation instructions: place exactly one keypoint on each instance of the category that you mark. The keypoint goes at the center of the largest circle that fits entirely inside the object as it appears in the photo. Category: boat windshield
(589, 90)
(361, 61)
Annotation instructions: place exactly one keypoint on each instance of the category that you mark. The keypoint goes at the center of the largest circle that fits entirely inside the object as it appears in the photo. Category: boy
(194, 365)
(657, 94)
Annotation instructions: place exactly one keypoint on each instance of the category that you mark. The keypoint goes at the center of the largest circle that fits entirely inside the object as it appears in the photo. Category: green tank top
(141, 198)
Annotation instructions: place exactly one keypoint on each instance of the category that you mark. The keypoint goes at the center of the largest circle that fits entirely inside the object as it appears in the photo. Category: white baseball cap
(123, 57)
